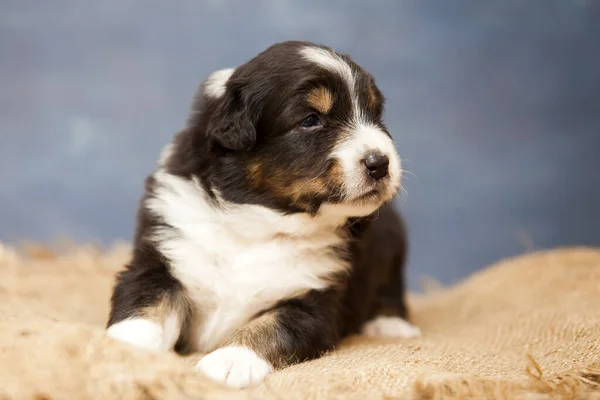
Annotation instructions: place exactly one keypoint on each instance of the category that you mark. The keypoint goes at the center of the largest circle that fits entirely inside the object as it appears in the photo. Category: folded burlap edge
(577, 384)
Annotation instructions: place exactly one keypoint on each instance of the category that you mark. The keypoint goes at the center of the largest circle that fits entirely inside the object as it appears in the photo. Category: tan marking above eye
(320, 99)
(372, 98)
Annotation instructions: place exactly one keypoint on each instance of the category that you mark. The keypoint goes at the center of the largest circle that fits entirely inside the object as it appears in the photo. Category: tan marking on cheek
(254, 173)
(276, 181)
(320, 99)
(308, 188)
(336, 175)
(283, 183)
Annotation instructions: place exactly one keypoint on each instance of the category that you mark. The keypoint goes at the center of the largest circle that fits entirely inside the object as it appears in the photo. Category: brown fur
(307, 187)
(373, 98)
(321, 99)
(254, 173)
(252, 336)
(336, 174)
(299, 191)
(166, 305)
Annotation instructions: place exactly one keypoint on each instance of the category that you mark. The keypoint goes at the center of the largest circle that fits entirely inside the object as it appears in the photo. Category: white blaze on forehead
(332, 62)
(214, 86)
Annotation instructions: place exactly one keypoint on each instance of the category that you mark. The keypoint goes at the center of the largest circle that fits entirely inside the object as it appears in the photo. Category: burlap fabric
(527, 327)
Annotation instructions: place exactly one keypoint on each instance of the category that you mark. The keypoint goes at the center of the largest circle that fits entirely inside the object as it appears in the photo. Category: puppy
(265, 234)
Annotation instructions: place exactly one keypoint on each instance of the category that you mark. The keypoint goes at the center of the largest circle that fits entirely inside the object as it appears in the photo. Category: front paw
(390, 327)
(235, 366)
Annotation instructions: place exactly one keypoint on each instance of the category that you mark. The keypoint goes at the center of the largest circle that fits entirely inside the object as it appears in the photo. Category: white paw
(235, 366)
(138, 332)
(391, 327)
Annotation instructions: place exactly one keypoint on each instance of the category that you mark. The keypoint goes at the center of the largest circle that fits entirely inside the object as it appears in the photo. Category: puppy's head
(298, 128)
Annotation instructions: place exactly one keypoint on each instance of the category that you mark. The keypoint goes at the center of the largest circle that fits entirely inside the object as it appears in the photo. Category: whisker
(405, 171)
(403, 198)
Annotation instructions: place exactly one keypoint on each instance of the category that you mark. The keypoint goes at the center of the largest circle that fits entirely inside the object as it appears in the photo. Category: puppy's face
(299, 128)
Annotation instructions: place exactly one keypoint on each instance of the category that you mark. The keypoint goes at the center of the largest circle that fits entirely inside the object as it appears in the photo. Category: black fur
(146, 277)
(255, 123)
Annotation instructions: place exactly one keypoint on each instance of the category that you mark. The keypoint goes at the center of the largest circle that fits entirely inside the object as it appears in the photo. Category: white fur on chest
(239, 261)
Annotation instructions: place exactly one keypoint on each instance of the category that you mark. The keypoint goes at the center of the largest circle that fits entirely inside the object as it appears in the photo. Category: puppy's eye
(311, 122)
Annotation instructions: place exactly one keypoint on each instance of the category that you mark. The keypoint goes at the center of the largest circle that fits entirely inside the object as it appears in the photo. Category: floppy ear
(232, 124)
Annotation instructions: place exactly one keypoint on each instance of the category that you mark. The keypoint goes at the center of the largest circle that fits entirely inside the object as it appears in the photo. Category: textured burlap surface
(527, 327)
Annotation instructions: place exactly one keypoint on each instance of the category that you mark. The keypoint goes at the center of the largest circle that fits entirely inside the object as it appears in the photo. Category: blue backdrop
(495, 107)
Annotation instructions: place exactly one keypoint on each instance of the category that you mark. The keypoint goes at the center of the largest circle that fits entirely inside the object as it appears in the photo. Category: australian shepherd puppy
(265, 234)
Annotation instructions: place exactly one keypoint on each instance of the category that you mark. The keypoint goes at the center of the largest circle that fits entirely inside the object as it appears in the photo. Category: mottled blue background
(495, 106)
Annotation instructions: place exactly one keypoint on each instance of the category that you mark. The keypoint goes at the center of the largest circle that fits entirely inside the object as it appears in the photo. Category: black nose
(377, 165)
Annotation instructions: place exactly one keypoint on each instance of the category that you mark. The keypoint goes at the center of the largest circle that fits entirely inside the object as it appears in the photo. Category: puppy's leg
(295, 330)
(147, 307)
(389, 324)
(390, 310)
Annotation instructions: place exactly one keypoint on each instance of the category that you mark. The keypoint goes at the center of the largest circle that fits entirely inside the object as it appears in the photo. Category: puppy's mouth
(380, 193)
(370, 195)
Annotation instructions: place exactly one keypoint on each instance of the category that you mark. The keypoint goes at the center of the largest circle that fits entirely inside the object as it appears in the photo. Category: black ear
(232, 124)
